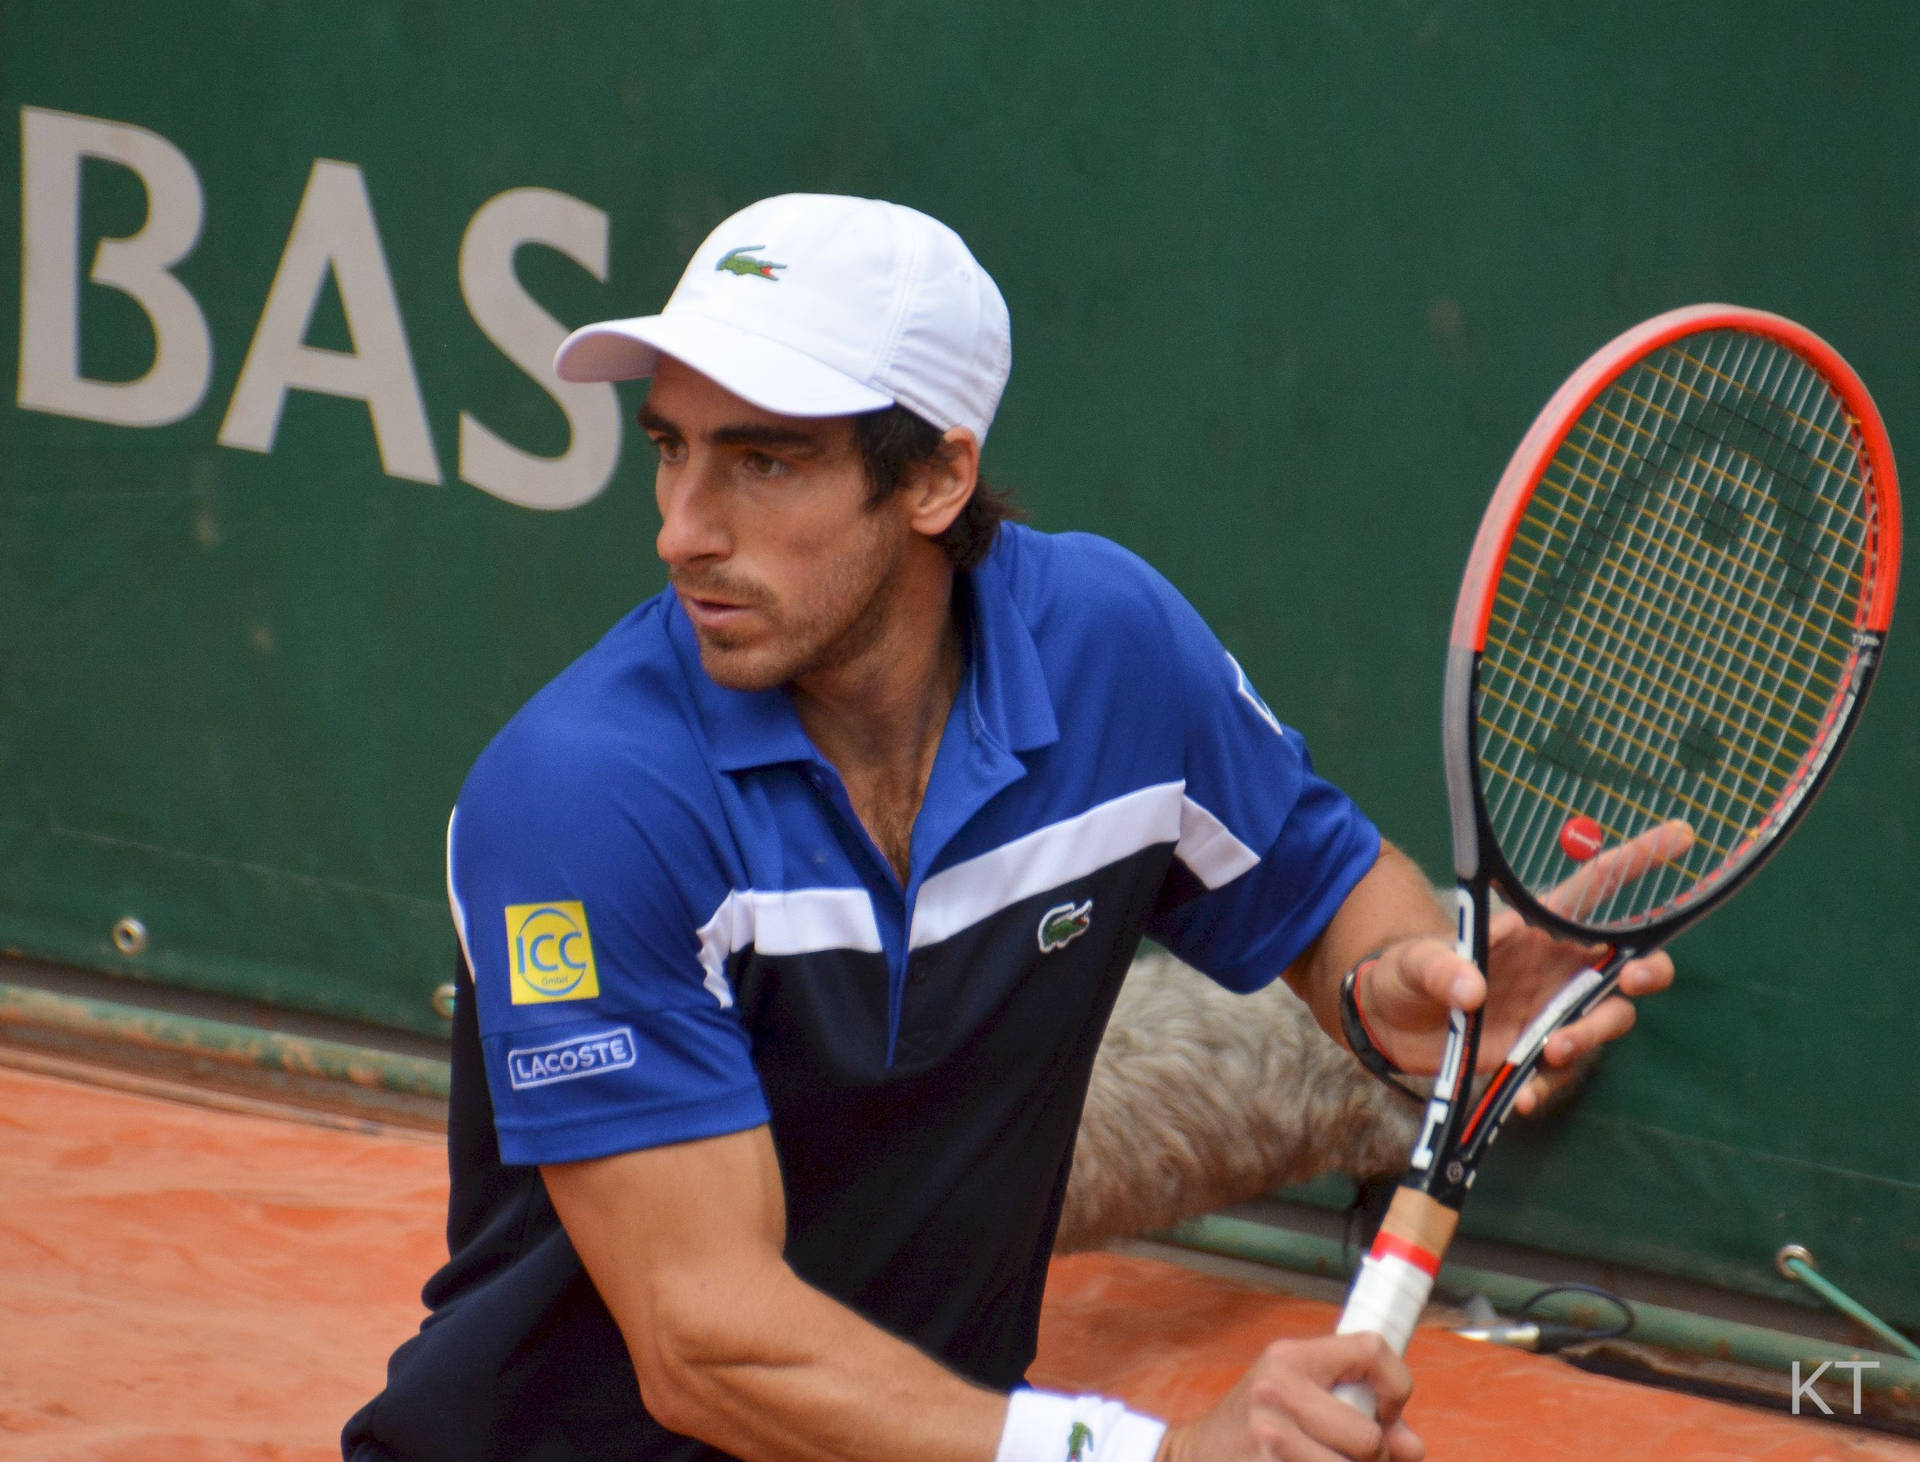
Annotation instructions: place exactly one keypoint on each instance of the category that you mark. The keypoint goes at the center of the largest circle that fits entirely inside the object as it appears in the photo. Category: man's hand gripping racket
(1666, 631)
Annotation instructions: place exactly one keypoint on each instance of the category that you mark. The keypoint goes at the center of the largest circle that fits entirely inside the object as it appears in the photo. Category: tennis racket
(1666, 632)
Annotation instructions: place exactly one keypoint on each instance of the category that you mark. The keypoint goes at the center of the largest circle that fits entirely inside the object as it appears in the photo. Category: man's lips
(712, 611)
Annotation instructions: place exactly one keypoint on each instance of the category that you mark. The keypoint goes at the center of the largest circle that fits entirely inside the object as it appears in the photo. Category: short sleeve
(1268, 850)
(577, 877)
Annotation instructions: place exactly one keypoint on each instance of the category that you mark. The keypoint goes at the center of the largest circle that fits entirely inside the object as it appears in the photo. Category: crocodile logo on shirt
(1080, 1439)
(741, 261)
(1062, 924)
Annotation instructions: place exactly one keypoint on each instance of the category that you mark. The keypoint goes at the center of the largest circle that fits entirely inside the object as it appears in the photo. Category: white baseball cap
(814, 305)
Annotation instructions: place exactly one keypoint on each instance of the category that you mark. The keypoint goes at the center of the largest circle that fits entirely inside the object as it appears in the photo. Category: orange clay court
(179, 1284)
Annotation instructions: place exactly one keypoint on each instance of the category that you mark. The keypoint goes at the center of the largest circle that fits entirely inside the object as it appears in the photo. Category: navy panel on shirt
(920, 1051)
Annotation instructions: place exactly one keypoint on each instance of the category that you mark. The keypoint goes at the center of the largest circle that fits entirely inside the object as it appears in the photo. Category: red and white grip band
(1395, 1280)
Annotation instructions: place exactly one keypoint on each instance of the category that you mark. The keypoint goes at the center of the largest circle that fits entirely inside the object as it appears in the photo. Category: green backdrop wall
(1287, 281)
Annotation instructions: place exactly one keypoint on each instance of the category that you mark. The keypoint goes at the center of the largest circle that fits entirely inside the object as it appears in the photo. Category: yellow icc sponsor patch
(550, 953)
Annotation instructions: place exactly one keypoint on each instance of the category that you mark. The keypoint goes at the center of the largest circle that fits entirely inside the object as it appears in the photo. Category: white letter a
(334, 230)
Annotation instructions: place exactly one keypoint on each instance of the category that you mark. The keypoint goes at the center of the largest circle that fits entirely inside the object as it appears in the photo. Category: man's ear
(940, 486)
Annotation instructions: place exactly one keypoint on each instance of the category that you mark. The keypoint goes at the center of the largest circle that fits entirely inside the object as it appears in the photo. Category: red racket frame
(1474, 608)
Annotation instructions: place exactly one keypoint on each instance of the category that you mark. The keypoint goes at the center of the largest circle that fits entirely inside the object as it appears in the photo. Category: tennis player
(790, 916)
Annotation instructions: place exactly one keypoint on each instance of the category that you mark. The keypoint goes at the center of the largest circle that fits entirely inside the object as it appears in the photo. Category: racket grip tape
(1395, 1279)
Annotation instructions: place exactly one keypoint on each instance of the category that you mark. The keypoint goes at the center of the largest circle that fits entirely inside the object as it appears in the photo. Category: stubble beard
(843, 617)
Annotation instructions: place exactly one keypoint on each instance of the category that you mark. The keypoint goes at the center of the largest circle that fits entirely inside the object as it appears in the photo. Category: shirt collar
(1010, 703)
(1004, 690)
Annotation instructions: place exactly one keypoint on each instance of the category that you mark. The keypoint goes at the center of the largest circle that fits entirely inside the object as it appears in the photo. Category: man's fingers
(1331, 1428)
(1607, 1021)
(1578, 897)
(1288, 1409)
(1364, 1356)
(1539, 1087)
(1403, 1445)
(1436, 970)
(1648, 975)
(1613, 869)
(1294, 1412)
(1376, 1363)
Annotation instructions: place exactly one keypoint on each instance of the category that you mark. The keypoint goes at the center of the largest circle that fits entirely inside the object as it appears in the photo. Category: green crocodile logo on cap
(741, 261)
(1078, 1440)
(1063, 924)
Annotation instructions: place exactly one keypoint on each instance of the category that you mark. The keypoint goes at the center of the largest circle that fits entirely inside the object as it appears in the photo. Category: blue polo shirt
(676, 927)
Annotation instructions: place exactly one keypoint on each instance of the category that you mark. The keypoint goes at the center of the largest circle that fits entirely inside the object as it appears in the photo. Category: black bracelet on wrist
(1360, 1040)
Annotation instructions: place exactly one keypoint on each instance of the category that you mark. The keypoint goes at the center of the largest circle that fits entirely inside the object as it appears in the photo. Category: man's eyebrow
(745, 434)
(652, 421)
(756, 435)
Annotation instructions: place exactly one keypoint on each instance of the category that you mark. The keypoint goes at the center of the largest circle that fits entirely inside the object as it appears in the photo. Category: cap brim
(770, 375)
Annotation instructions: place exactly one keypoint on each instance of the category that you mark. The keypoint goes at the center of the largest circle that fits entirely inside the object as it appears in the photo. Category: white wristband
(1045, 1427)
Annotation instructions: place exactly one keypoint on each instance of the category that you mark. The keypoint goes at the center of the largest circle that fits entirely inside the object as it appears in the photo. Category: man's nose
(693, 524)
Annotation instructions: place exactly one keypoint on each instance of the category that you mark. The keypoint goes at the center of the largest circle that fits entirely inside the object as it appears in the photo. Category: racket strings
(1661, 673)
(1652, 408)
(1717, 613)
(1674, 621)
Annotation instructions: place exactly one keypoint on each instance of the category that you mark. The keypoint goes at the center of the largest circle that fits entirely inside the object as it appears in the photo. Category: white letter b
(52, 145)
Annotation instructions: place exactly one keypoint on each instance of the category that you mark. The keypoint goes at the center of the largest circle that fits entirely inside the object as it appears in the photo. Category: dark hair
(892, 441)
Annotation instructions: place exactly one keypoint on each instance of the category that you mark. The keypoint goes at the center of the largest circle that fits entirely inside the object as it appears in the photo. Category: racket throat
(1434, 1168)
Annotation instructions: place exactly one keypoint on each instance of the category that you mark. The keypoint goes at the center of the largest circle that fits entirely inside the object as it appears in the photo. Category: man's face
(777, 560)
